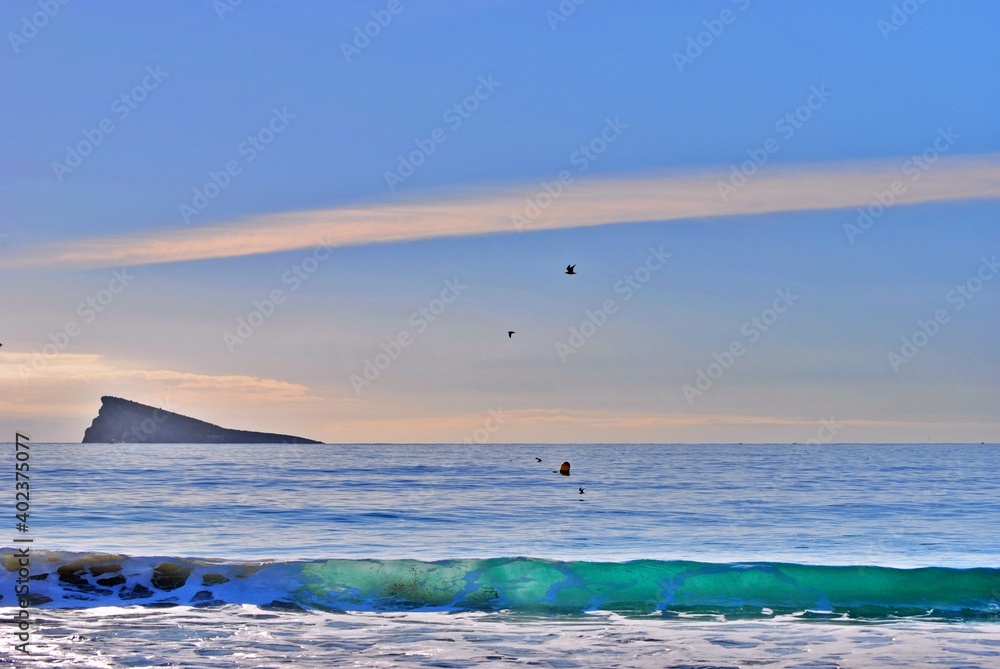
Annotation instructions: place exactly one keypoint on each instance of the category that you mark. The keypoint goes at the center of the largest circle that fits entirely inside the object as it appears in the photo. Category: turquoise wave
(529, 585)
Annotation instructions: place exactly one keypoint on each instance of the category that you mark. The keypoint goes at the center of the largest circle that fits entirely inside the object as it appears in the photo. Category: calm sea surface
(894, 505)
(926, 505)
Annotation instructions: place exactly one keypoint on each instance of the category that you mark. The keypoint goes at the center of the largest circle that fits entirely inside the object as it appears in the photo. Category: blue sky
(871, 91)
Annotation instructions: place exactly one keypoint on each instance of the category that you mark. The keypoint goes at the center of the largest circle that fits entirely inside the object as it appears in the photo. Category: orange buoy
(564, 469)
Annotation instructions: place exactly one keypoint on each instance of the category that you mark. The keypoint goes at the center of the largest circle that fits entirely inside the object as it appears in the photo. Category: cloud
(582, 203)
(34, 385)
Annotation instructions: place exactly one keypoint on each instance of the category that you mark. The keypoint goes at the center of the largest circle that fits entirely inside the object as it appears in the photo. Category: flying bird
(537, 459)
(510, 334)
(570, 269)
(581, 491)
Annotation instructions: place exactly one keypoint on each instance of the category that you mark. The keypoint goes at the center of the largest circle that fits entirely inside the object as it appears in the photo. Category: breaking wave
(529, 585)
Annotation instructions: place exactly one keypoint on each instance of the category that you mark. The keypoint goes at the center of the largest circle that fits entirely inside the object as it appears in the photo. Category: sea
(442, 555)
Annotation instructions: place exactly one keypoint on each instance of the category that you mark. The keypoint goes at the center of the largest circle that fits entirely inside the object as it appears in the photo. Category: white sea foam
(248, 637)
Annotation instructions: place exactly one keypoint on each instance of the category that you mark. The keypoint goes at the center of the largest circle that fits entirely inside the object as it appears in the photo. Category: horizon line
(532, 443)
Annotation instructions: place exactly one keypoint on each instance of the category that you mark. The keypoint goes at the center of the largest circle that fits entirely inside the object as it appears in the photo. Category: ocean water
(457, 555)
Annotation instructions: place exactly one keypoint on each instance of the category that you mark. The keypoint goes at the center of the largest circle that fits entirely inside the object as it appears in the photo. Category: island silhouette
(124, 421)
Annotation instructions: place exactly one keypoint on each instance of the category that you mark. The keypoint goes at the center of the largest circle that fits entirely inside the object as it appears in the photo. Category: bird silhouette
(581, 491)
(570, 269)
(537, 459)
(510, 334)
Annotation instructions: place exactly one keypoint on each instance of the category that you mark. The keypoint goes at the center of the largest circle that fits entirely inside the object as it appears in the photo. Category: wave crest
(68, 580)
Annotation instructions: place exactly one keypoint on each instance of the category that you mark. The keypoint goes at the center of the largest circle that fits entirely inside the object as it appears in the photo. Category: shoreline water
(248, 636)
(384, 533)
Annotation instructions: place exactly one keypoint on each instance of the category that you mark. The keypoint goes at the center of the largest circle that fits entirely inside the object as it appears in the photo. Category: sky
(322, 219)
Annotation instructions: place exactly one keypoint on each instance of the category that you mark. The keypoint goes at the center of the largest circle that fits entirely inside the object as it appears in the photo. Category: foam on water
(249, 637)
